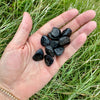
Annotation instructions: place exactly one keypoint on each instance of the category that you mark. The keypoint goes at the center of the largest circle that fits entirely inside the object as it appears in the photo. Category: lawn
(79, 77)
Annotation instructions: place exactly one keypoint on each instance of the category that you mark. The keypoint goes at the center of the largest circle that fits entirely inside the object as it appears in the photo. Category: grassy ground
(79, 77)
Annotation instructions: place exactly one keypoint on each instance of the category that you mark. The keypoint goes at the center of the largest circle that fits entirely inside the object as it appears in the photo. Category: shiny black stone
(54, 44)
(59, 51)
(64, 41)
(38, 55)
(49, 51)
(45, 40)
(55, 32)
(48, 60)
(52, 38)
(67, 32)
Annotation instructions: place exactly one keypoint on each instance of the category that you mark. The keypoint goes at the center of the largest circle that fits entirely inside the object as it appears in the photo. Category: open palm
(23, 76)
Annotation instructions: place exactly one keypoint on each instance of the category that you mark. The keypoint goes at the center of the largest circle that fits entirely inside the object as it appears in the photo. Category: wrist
(6, 94)
(3, 97)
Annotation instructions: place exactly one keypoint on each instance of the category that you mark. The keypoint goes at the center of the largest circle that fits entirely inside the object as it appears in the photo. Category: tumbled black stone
(64, 41)
(59, 51)
(54, 43)
(45, 40)
(48, 60)
(55, 32)
(38, 55)
(49, 51)
(52, 38)
(67, 32)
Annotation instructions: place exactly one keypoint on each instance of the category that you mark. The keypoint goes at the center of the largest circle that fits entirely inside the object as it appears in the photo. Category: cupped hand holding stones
(24, 76)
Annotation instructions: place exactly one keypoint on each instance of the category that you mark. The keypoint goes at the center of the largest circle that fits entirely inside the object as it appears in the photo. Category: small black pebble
(52, 38)
(49, 51)
(67, 32)
(59, 51)
(38, 55)
(45, 40)
(48, 60)
(55, 32)
(64, 41)
(54, 44)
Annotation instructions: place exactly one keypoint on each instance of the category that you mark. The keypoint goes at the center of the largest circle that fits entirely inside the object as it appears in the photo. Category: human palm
(23, 76)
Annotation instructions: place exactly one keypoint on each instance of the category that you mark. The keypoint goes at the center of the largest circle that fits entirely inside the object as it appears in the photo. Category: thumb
(23, 31)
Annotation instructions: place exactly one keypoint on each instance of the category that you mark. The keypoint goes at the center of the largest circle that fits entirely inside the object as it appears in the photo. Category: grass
(79, 77)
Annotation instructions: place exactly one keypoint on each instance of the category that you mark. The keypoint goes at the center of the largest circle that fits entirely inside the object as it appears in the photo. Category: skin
(23, 76)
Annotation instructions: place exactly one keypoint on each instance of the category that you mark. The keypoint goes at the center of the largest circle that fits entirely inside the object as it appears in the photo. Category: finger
(72, 48)
(23, 31)
(80, 20)
(58, 21)
(87, 29)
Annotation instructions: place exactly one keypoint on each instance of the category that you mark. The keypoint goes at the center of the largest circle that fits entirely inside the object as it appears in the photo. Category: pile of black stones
(54, 45)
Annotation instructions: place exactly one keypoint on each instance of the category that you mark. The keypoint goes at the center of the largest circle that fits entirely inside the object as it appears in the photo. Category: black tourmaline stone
(38, 55)
(52, 38)
(59, 51)
(49, 51)
(45, 40)
(64, 41)
(67, 32)
(48, 60)
(55, 32)
(54, 44)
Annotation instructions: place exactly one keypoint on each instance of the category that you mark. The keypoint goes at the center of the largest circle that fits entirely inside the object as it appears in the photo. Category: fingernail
(23, 14)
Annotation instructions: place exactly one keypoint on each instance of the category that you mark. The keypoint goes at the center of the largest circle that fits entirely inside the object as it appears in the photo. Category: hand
(24, 76)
